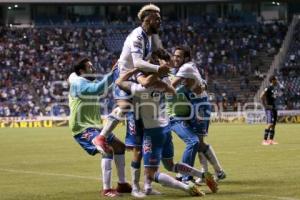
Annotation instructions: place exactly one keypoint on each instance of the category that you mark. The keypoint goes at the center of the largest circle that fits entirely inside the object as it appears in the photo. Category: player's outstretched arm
(95, 88)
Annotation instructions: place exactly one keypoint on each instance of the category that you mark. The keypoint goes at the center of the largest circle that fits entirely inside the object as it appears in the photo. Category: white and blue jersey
(138, 47)
(157, 140)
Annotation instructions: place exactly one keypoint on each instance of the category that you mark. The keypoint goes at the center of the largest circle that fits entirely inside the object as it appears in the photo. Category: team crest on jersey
(137, 44)
(147, 146)
(140, 37)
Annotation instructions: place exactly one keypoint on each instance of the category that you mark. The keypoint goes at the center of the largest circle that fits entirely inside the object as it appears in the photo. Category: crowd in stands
(289, 74)
(35, 62)
(227, 50)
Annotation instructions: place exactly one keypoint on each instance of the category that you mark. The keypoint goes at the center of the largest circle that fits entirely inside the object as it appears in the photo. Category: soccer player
(268, 98)
(179, 109)
(85, 123)
(134, 136)
(136, 52)
(200, 123)
(189, 75)
(157, 140)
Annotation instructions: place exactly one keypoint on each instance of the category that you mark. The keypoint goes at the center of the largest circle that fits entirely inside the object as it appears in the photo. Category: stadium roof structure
(108, 1)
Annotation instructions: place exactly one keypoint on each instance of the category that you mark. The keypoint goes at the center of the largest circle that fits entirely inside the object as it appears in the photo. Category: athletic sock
(120, 165)
(106, 173)
(272, 134)
(212, 158)
(135, 175)
(203, 162)
(266, 135)
(185, 169)
(169, 181)
(113, 120)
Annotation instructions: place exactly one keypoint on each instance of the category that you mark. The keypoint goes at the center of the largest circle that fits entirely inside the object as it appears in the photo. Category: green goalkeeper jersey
(178, 105)
(84, 103)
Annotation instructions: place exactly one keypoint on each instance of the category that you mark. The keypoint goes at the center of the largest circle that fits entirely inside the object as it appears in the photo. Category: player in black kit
(268, 98)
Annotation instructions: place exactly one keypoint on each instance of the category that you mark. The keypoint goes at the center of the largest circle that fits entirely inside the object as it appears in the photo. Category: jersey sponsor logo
(147, 146)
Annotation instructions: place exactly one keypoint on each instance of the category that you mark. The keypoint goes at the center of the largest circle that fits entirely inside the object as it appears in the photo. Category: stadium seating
(232, 56)
(289, 75)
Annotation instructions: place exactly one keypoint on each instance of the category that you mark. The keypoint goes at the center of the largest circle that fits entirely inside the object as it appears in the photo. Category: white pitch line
(48, 174)
(272, 197)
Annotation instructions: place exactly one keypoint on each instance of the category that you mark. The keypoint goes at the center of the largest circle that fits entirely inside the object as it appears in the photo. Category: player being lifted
(137, 49)
(268, 98)
(85, 122)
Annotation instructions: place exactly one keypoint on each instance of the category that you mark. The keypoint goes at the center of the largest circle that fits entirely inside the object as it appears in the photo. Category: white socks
(135, 178)
(185, 169)
(113, 120)
(120, 165)
(203, 162)
(212, 158)
(166, 180)
(106, 173)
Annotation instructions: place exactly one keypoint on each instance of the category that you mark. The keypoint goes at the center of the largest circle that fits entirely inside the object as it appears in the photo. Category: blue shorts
(118, 93)
(271, 115)
(134, 131)
(85, 140)
(201, 116)
(157, 145)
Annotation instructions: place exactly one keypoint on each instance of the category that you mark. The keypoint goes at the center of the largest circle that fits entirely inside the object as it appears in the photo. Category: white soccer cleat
(138, 194)
(200, 181)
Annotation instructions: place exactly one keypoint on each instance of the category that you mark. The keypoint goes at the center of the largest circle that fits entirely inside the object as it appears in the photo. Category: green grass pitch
(48, 164)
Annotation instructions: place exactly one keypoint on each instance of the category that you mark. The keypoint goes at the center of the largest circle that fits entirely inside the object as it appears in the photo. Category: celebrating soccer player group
(155, 93)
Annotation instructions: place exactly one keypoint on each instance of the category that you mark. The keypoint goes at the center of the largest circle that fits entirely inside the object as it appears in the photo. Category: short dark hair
(162, 54)
(186, 52)
(80, 65)
(272, 78)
